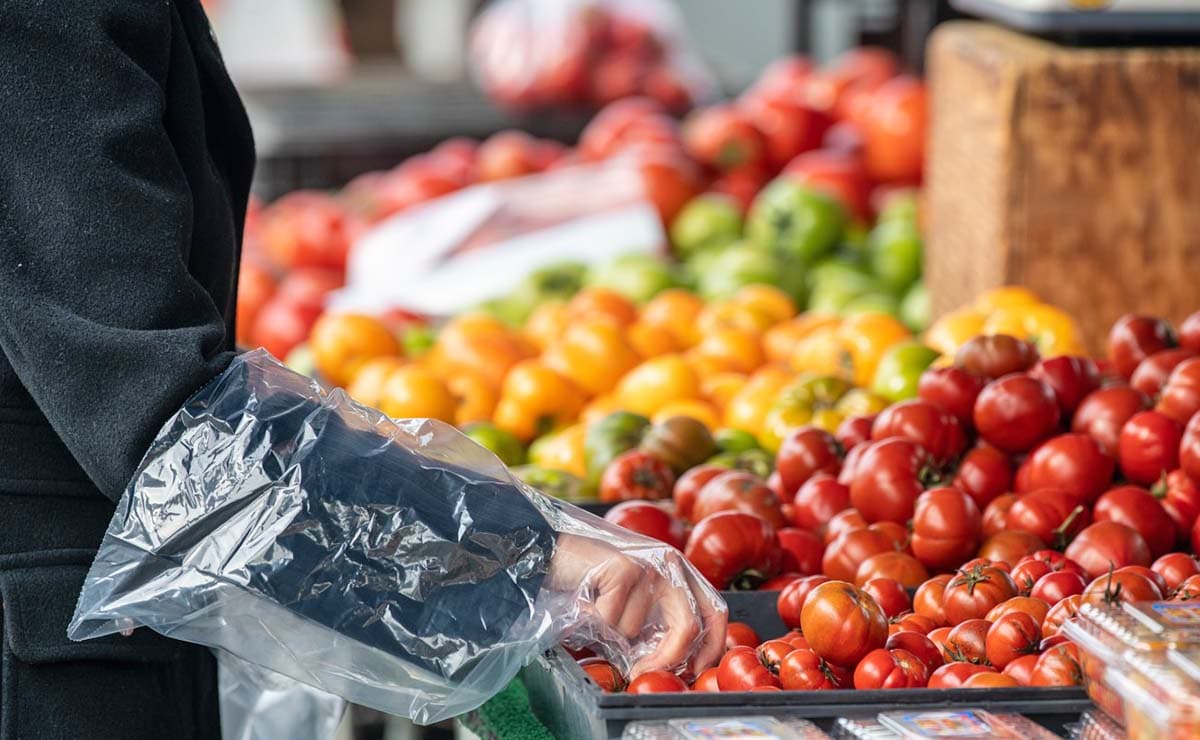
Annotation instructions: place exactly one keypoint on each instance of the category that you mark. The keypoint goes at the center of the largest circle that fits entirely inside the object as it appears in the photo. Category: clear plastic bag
(257, 704)
(393, 563)
(562, 53)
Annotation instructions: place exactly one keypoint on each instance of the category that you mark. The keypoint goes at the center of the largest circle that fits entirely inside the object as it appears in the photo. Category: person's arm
(99, 316)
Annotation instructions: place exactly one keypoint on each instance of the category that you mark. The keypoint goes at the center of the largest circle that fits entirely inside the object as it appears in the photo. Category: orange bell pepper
(593, 354)
(655, 383)
(535, 400)
(342, 342)
(412, 392)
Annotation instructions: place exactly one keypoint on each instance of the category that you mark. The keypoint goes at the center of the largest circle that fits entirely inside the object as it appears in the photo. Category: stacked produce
(945, 540)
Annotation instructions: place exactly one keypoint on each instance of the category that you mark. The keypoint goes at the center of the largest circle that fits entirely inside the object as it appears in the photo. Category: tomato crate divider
(572, 706)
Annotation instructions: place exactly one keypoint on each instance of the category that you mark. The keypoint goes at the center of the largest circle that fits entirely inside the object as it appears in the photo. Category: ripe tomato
(1021, 669)
(890, 669)
(740, 633)
(1060, 613)
(802, 550)
(842, 522)
(707, 681)
(804, 453)
(1133, 338)
(1073, 463)
(845, 554)
(656, 682)
(890, 594)
(687, 488)
(946, 528)
(995, 355)
(649, 519)
(953, 389)
(893, 129)
(1009, 546)
(772, 652)
(920, 646)
(818, 500)
(927, 600)
(895, 532)
(1013, 635)
(967, 641)
(1152, 373)
(1026, 572)
(1071, 378)
(1054, 515)
(737, 490)
(1189, 332)
(1058, 666)
(952, 675)
(1180, 397)
(789, 127)
(1035, 608)
(1189, 590)
(938, 431)
(854, 430)
(1180, 498)
(912, 622)
(1138, 509)
(1189, 449)
(1056, 586)
(1175, 568)
(842, 623)
(1120, 586)
(898, 566)
(636, 475)
(1016, 412)
(722, 137)
(972, 592)
(1108, 544)
(1148, 446)
(984, 474)
(850, 464)
(1056, 560)
(734, 549)
(890, 476)
(804, 670)
(1104, 412)
(1150, 574)
(791, 599)
(741, 670)
(605, 674)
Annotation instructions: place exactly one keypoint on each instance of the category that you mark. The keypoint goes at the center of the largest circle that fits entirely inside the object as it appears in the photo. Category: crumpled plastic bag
(257, 704)
(393, 563)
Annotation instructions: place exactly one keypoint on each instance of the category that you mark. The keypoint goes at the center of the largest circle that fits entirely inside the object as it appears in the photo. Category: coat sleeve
(99, 316)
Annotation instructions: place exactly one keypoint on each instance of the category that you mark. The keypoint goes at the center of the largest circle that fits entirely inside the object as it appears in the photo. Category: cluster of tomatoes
(1010, 491)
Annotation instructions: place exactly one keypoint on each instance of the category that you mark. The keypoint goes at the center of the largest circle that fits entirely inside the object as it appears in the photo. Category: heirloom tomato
(649, 519)
(734, 549)
(656, 682)
(994, 356)
(919, 645)
(1016, 412)
(1054, 515)
(1073, 463)
(1121, 586)
(805, 452)
(1106, 545)
(1021, 669)
(636, 475)
(1138, 509)
(1180, 397)
(804, 670)
(890, 669)
(1058, 666)
(741, 670)
(983, 474)
(1071, 379)
(605, 674)
(802, 550)
(946, 528)
(1060, 613)
(1011, 636)
(1133, 338)
(1009, 546)
(1035, 608)
(737, 490)
(842, 623)
(972, 592)
(850, 550)
(1148, 446)
(967, 641)
(819, 500)
(952, 389)
(952, 675)
(1056, 586)
(688, 486)
(707, 681)
(927, 599)
(1103, 413)
(889, 477)
(791, 599)
(938, 431)
(891, 564)
(1175, 568)
(890, 594)
(740, 633)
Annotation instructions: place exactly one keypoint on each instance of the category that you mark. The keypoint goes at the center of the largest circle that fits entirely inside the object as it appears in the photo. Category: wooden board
(1073, 171)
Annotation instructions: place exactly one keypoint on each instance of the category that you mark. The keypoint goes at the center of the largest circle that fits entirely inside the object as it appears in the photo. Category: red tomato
(788, 126)
(989, 680)
(842, 522)
(1054, 587)
(1133, 338)
(818, 500)
(1152, 373)
(1175, 568)
(791, 599)
(938, 432)
(890, 476)
(912, 622)
(850, 464)
(656, 682)
(1103, 412)
(688, 487)
(1021, 669)
(740, 633)
(890, 594)
(802, 550)
(605, 674)
(1180, 498)
(649, 519)
(1009, 546)
(1189, 332)
(845, 554)
(853, 431)
(309, 229)
(636, 475)
(953, 389)
(946, 528)
(1189, 449)
(734, 549)
(1053, 515)
(897, 566)
(617, 125)
(927, 600)
(842, 623)
(1027, 571)
(890, 669)
(1016, 412)
(1035, 608)
(1073, 463)
(1189, 590)
(894, 131)
(505, 155)
(1150, 574)
(1058, 666)
(669, 178)
(972, 592)
(741, 670)
(804, 453)
(996, 355)
(282, 324)
(897, 533)
(1071, 379)
(984, 474)
(1060, 613)
(836, 174)
(1057, 561)
(1136, 508)
(1013, 635)
(919, 645)
(1180, 397)
(772, 652)
(1108, 544)
(737, 490)
(952, 675)
(779, 582)
(1121, 586)
(1148, 446)
(707, 681)
(804, 670)
(967, 641)
(723, 137)
(255, 287)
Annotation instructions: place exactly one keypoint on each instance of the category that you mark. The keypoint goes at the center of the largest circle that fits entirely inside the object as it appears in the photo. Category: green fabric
(507, 716)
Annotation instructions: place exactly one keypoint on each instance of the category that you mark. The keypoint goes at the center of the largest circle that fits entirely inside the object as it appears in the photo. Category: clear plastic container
(700, 728)
(1161, 701)
(1096, 725)
(943, 723)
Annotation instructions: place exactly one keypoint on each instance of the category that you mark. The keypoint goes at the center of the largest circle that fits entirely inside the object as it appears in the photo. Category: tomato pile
(945, 540)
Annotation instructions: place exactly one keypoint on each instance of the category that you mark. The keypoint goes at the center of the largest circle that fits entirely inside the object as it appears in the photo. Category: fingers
(682, 628)
(614, 584)
(641, 600)
(715, 621)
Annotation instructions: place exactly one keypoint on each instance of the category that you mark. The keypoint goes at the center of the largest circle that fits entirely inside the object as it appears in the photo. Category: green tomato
(556, 483)
(867, 302)
(735, 267)
(757, 461)
(638, 277)
(561, 280)
(501, 443)
(855, 241)
(915, 310)
(895, 254)
(417, 340)
(707, 221)
(836, 266)
(900, 206)
(513, 309)
(795, 221)
(833, 293)
(618, 432)
(302, 360)
(900, 369)
(734, 440)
